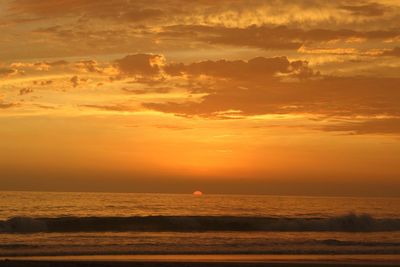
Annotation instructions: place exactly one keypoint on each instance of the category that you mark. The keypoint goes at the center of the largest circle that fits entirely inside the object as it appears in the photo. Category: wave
(346, 223)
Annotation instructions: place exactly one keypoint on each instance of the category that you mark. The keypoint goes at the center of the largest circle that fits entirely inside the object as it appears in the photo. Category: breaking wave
(345, 223)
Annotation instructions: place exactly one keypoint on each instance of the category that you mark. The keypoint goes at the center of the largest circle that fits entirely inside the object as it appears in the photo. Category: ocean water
(46, 223)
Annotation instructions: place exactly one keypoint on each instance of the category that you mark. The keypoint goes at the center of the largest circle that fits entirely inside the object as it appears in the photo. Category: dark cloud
(58, 63)
(4, 105)
(115, 26)
(75, 81)
(255, 87)
(45, 106)
(368, 10)
(52, 63)
(259, 68)
(43, 65)
(157, 90)
(113, 107)
(172, 127)
(88, 65)
(25, 91)
(140, 10)
(372, 126)
(269, 37)
(253, 36)
(395, 52)
(7, 71)
(24, 67)
(113, 9)
(43, 83)
(139, 64)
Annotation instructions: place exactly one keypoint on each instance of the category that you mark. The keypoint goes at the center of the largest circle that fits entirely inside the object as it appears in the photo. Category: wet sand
(203, 260)
(173, 264)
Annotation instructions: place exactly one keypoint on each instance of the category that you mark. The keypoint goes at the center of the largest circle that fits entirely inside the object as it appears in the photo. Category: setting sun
(198, 193)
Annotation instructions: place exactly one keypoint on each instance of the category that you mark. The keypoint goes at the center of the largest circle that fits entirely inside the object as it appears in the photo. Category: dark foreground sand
(203, 260)
(14, 263)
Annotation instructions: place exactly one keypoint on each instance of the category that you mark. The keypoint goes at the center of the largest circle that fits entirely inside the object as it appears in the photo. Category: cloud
(205, 11)
(86, 27)
(172, 127)
(272, 86)
(253, 36)
(270, 37)
(395, 52)
(4, 105)
(88, 66)
(368, 10)
(25, 91)
(157, 90)
(75, 81)
(259, 68)
(58, 63)
(113, 107)
(46, 65)
(43, 83)
(112, 9)
(372, 126)
(23, 67)
(140, 64)
(5, 72)
(45, 106)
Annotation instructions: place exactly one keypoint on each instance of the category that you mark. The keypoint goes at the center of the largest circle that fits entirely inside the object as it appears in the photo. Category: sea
(59, 224)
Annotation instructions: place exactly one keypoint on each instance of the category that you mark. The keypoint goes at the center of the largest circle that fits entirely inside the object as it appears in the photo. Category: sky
(296, 97)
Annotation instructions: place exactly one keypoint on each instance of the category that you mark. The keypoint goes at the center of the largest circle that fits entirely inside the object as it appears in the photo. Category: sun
(197, 193)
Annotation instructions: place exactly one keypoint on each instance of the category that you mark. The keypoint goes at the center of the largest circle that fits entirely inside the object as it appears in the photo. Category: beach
(169, 264)
(202, 260)
(167, 261)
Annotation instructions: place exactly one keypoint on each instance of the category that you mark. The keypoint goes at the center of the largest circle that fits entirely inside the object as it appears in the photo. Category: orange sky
(273, 97)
